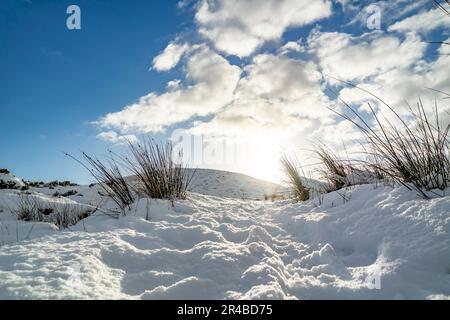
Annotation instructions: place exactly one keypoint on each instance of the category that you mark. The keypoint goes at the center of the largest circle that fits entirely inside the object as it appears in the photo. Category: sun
(263, 161)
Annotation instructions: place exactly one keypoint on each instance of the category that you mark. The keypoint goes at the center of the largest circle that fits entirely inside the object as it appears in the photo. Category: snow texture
(366, 242)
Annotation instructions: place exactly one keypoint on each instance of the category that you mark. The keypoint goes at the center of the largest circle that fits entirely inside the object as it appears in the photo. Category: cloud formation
(279, 91)
(114, 137)
(350, 57)
(425, 22)
(170, 57)
(240, 27)
(211, 82)
(402, 86)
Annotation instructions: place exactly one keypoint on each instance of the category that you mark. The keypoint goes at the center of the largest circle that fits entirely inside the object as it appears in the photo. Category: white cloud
(401, 86)
(211, 82)
(240, 27)
(349, 58)
(282, 81)
(114, 137)
(291, 46)
(278, 104)
(170, 57)
(275, 89)
(274, 97)
(391, 11)
(422, 22)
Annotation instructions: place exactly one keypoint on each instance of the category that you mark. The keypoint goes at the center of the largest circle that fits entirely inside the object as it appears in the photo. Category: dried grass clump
(442, 6)
(110, 179)
(32, 209)
(414, 153)
(293, 172)
(160, 173)
(335, 171)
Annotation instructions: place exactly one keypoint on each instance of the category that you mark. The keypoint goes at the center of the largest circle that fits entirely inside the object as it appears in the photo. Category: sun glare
(263, 161)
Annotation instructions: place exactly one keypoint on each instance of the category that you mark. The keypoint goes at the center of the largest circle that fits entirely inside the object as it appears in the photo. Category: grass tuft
(414, 153)
(32, 209)
(110, 179)
(293, 170)
(159, 171)
(334, 170)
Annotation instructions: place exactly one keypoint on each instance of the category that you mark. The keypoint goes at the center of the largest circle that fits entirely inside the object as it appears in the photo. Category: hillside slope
(232, 185)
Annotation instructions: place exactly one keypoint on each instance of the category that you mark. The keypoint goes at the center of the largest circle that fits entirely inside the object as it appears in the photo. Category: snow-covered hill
(232, 185)
(9, 181)
(368, 242)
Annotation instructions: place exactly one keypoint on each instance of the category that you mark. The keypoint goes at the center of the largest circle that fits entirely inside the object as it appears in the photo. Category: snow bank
(365, 243)
(232, 185)
(9, 181)
(12, 230)
(378, 234)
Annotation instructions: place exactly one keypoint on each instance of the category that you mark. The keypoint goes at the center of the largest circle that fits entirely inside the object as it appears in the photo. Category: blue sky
(56, 82)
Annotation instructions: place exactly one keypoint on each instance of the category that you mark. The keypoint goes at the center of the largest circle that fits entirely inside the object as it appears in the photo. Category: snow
(232, 185)
(366, 242)
(11, 181)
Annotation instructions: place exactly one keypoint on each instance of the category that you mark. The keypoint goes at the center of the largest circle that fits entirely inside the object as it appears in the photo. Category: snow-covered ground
(369, 242)
(9, 181)
(232, 185)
